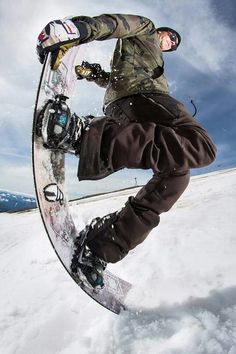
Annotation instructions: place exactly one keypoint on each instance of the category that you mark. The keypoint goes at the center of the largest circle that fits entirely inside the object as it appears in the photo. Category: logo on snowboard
(52, 193)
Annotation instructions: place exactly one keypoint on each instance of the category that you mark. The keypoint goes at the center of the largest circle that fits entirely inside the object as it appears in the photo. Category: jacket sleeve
(112, 26)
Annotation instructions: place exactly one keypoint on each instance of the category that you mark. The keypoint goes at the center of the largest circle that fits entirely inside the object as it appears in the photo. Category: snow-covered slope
(184, 295)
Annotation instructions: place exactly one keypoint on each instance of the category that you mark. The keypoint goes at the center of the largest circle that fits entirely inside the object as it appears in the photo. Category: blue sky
(203, 68)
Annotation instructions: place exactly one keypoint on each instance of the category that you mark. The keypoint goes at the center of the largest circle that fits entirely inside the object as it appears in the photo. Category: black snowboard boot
(85, 264)
(60, 129)
(89, 268)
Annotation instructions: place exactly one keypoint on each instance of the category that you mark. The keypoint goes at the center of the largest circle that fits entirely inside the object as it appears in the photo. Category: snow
(184, 296)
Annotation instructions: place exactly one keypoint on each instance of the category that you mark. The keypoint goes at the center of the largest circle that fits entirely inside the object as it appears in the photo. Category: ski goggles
(173, 37)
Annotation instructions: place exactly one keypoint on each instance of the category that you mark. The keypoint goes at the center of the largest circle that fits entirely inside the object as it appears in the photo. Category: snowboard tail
(49, 181)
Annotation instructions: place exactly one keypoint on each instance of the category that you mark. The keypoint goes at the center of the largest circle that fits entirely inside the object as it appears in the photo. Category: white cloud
(207, 45)
(173, 86)
(16, 176)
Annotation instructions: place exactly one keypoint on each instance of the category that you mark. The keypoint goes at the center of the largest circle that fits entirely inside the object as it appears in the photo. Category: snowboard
(49, 181)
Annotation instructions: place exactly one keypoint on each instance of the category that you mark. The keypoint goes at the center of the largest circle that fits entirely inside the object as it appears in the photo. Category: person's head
(169, 39)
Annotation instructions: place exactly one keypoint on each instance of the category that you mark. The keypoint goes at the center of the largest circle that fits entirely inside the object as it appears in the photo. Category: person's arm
(106, 26)
(58, 36)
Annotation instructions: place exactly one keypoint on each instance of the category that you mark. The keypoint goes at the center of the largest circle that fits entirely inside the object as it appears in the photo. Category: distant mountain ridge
(12, 201)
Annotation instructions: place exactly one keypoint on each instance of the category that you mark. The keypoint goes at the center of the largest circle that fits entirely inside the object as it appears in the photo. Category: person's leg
(147, 132)
(109, 146)
(144, 132)
(128, 228)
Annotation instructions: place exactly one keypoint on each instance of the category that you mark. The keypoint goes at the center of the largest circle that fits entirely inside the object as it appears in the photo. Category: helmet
(175, 33)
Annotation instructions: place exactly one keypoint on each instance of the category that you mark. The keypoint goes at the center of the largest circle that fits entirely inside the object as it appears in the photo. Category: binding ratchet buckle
(54, 123)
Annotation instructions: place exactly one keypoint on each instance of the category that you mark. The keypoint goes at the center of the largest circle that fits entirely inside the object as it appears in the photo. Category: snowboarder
(143, 127)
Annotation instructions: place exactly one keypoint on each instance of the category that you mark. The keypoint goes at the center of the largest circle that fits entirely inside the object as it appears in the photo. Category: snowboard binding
(86, 266)
(59, 129)
(89, 269)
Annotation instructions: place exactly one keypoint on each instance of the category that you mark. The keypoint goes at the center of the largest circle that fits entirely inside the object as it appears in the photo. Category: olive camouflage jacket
(137, 64)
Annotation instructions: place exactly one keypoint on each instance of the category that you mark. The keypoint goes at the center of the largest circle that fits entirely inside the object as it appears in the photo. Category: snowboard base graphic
(49, 180)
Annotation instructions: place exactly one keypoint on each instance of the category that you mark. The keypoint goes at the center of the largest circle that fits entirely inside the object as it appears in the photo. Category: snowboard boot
(60, 129)
(88, 268)
(85, 264)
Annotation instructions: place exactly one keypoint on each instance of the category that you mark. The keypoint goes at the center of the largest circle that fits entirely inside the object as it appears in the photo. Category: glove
(57, 37)
(88, 71)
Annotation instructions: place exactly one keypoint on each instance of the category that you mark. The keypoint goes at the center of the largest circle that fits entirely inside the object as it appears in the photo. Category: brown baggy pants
(152, 131)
